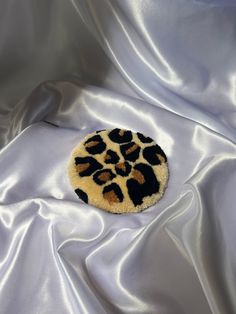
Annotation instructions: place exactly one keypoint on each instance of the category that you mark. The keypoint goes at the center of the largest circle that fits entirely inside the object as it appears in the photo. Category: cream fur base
(94, 191)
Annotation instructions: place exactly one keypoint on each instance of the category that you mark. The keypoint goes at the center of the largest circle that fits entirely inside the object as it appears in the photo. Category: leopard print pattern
(118, 170)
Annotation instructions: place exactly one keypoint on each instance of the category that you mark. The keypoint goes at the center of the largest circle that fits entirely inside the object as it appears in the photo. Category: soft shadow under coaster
(118, 171)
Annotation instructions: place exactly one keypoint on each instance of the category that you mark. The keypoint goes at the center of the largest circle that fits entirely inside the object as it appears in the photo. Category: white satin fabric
(164, 68)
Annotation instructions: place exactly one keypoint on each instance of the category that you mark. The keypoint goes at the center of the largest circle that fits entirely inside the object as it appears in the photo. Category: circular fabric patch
(118, 170)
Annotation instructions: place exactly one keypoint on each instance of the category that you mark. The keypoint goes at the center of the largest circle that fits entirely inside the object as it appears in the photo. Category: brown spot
(138, 176)
(107, 157)
(91, 144)
(121, 166)
(82, 167)
(161, 158)
(132, 149)
(121, 132)
(105, 176)
(111, 197)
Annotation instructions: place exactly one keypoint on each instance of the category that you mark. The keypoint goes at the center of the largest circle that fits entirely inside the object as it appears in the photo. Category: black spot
(82, 195)
(98, 147)
(100, 131)
(150, 154)
(93, 165)
(117, 190)
(144, 139)
(103, 176)
(150, 186)
(124, 169)
(111, 157)
(120, 136)
(130, 151)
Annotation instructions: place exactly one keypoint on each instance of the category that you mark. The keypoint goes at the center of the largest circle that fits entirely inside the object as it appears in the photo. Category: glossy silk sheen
(164, 68)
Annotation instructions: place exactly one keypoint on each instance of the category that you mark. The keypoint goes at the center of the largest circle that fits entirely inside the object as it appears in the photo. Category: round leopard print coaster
(118, 170)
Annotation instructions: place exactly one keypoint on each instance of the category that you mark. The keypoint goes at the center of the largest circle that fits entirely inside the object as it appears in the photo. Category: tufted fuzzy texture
(118, 171)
